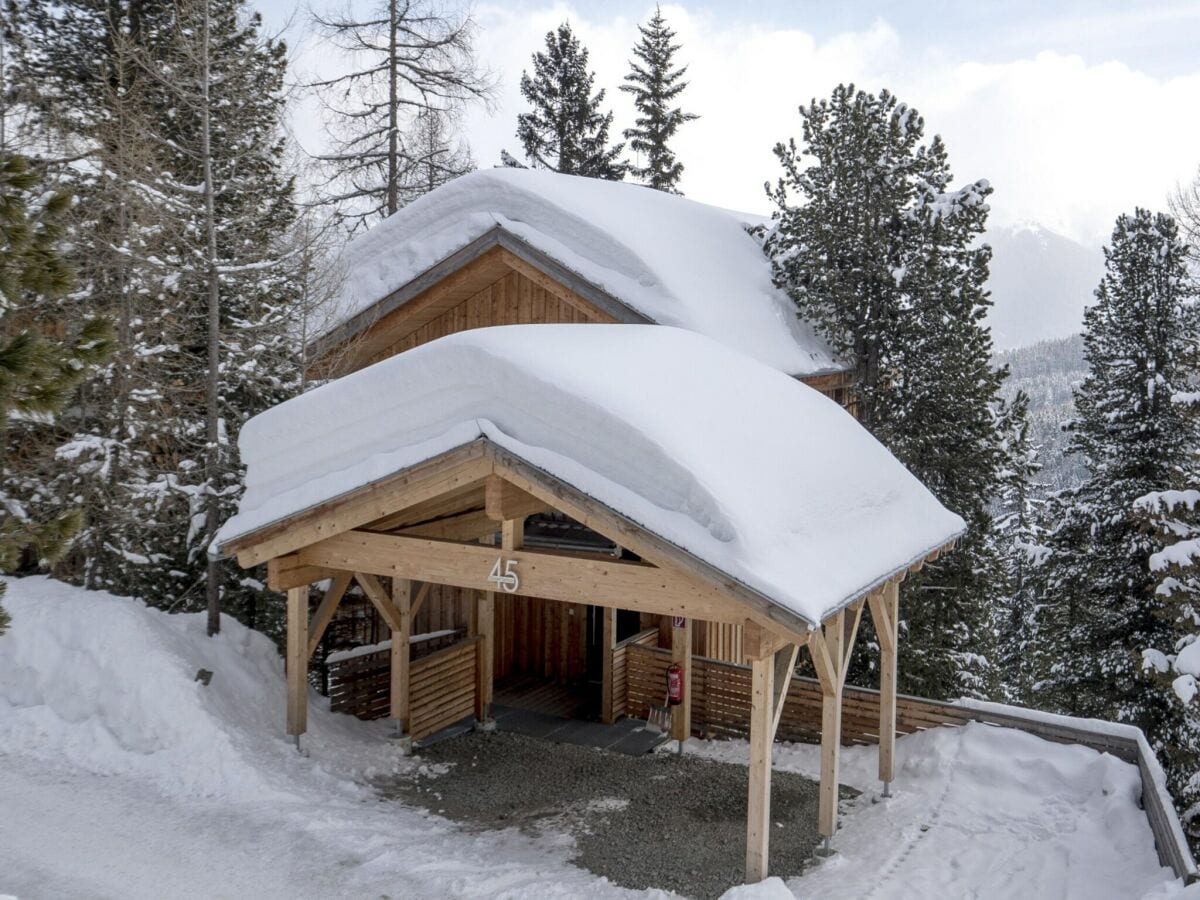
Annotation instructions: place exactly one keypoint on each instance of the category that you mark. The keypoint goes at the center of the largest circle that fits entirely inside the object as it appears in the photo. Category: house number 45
(506, 578)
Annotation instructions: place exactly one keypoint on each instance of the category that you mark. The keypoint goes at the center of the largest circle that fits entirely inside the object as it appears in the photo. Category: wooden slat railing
(721, 709)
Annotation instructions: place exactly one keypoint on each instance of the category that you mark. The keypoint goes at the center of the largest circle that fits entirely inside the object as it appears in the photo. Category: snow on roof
(740, 465)
(674, 261)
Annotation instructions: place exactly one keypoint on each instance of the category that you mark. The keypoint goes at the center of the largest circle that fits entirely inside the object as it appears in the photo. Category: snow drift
(673, 260)
(746, 468)
(109, 686)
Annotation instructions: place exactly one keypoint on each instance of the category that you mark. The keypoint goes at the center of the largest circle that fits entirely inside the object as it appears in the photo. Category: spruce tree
(883, 257)
(1173, 669)
(655, 85)
(1100, 608)
(565, 131)
(42, 358)
(1018, 539)
(150, 446)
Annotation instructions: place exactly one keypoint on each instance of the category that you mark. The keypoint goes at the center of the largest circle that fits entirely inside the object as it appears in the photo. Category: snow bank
(675, 261)
(981, 811)
(108, 686)
(744, 467)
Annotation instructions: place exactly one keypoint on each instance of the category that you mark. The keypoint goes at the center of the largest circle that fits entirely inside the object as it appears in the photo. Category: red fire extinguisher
(674, 684)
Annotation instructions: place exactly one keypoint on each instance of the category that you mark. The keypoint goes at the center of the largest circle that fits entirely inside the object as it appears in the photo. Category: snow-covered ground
(122, 776)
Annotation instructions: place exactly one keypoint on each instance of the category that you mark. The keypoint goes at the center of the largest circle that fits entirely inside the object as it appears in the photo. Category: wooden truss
(436, 523)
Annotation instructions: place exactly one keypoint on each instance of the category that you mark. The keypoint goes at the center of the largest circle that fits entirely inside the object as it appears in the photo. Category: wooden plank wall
(620, 692)
(721, 702)
(513, 300)
(360, 686)
(540, 637)
(445, 607)
(443, 688)
(718, 640)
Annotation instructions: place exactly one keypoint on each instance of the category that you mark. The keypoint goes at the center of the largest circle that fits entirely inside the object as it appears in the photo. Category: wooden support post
(681, 654)
(885, 608)
(770, 674)
(297, 661)
(608, 644)
(401, 656)
(831, 725)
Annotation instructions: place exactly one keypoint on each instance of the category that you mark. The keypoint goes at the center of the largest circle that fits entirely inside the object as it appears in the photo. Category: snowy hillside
(123, 776)
(1040, 283)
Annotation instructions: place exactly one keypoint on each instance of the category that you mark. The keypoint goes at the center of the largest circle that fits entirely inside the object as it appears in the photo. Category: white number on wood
(506, 579)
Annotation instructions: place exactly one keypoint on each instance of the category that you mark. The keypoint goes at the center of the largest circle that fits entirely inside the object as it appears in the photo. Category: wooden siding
(513, 299)
(361, 686)
(620, 669)
(443, 688)
(540, 637)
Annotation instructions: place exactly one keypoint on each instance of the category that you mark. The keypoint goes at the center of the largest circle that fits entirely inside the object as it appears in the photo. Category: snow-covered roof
(671, 260)
(741, 466)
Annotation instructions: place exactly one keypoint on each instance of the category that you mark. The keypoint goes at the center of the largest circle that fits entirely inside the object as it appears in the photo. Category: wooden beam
(885, 608)
(758, 806)
(419, 600)
(401, 656)
(324, 614)
(380, 600)
(297, 661)
(785, 667)
(601, 582)
(463, 499)
(449, 471)
(759, 642)
(467, 526)
(504, 501)
(650, 547)
(286, 572)
(681, 654)
(608, 644)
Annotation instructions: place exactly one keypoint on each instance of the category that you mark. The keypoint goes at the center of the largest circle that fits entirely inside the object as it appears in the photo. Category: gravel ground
(657, 820)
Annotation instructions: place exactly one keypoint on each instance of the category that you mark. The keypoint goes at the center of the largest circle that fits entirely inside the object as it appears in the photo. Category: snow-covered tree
(883, 257)
(1017, 534)
(182, 241)
(42, 360)
(565, 131)
(413, 69)
(1174, 668)
(656, 85)
(1100, 608)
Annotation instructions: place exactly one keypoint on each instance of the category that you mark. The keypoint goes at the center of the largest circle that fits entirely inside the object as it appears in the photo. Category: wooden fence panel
(443, 688)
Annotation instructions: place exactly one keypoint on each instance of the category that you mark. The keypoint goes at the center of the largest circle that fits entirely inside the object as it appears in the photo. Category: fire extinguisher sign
(678, 621)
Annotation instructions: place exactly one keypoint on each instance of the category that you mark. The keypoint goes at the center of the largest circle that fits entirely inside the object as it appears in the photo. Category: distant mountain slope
(1040, 282)
(1047, 372)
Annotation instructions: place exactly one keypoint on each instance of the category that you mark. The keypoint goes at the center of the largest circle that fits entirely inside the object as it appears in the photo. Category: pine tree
(884, 259)
(655, 85)
(1018, 537)
(415, 71)
(1100, 608)
(42, 359)
(566, 131)
(186, 246)
(1174, 668)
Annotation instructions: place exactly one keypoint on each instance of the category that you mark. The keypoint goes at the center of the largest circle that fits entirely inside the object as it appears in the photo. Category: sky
(1075, 112)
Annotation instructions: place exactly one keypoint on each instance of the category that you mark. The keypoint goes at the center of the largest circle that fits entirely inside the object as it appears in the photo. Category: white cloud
(1066, 143)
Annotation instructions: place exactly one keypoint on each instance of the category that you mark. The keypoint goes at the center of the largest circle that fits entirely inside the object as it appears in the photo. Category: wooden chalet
(535, 545)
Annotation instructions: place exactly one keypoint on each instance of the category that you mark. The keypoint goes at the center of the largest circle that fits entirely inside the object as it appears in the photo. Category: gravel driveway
(658, 820)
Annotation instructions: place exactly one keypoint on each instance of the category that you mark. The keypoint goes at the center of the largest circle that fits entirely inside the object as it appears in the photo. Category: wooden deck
(549, 697)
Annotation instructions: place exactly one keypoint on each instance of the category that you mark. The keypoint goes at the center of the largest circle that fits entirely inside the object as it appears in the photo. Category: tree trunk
(212, 456)
(393, 200)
